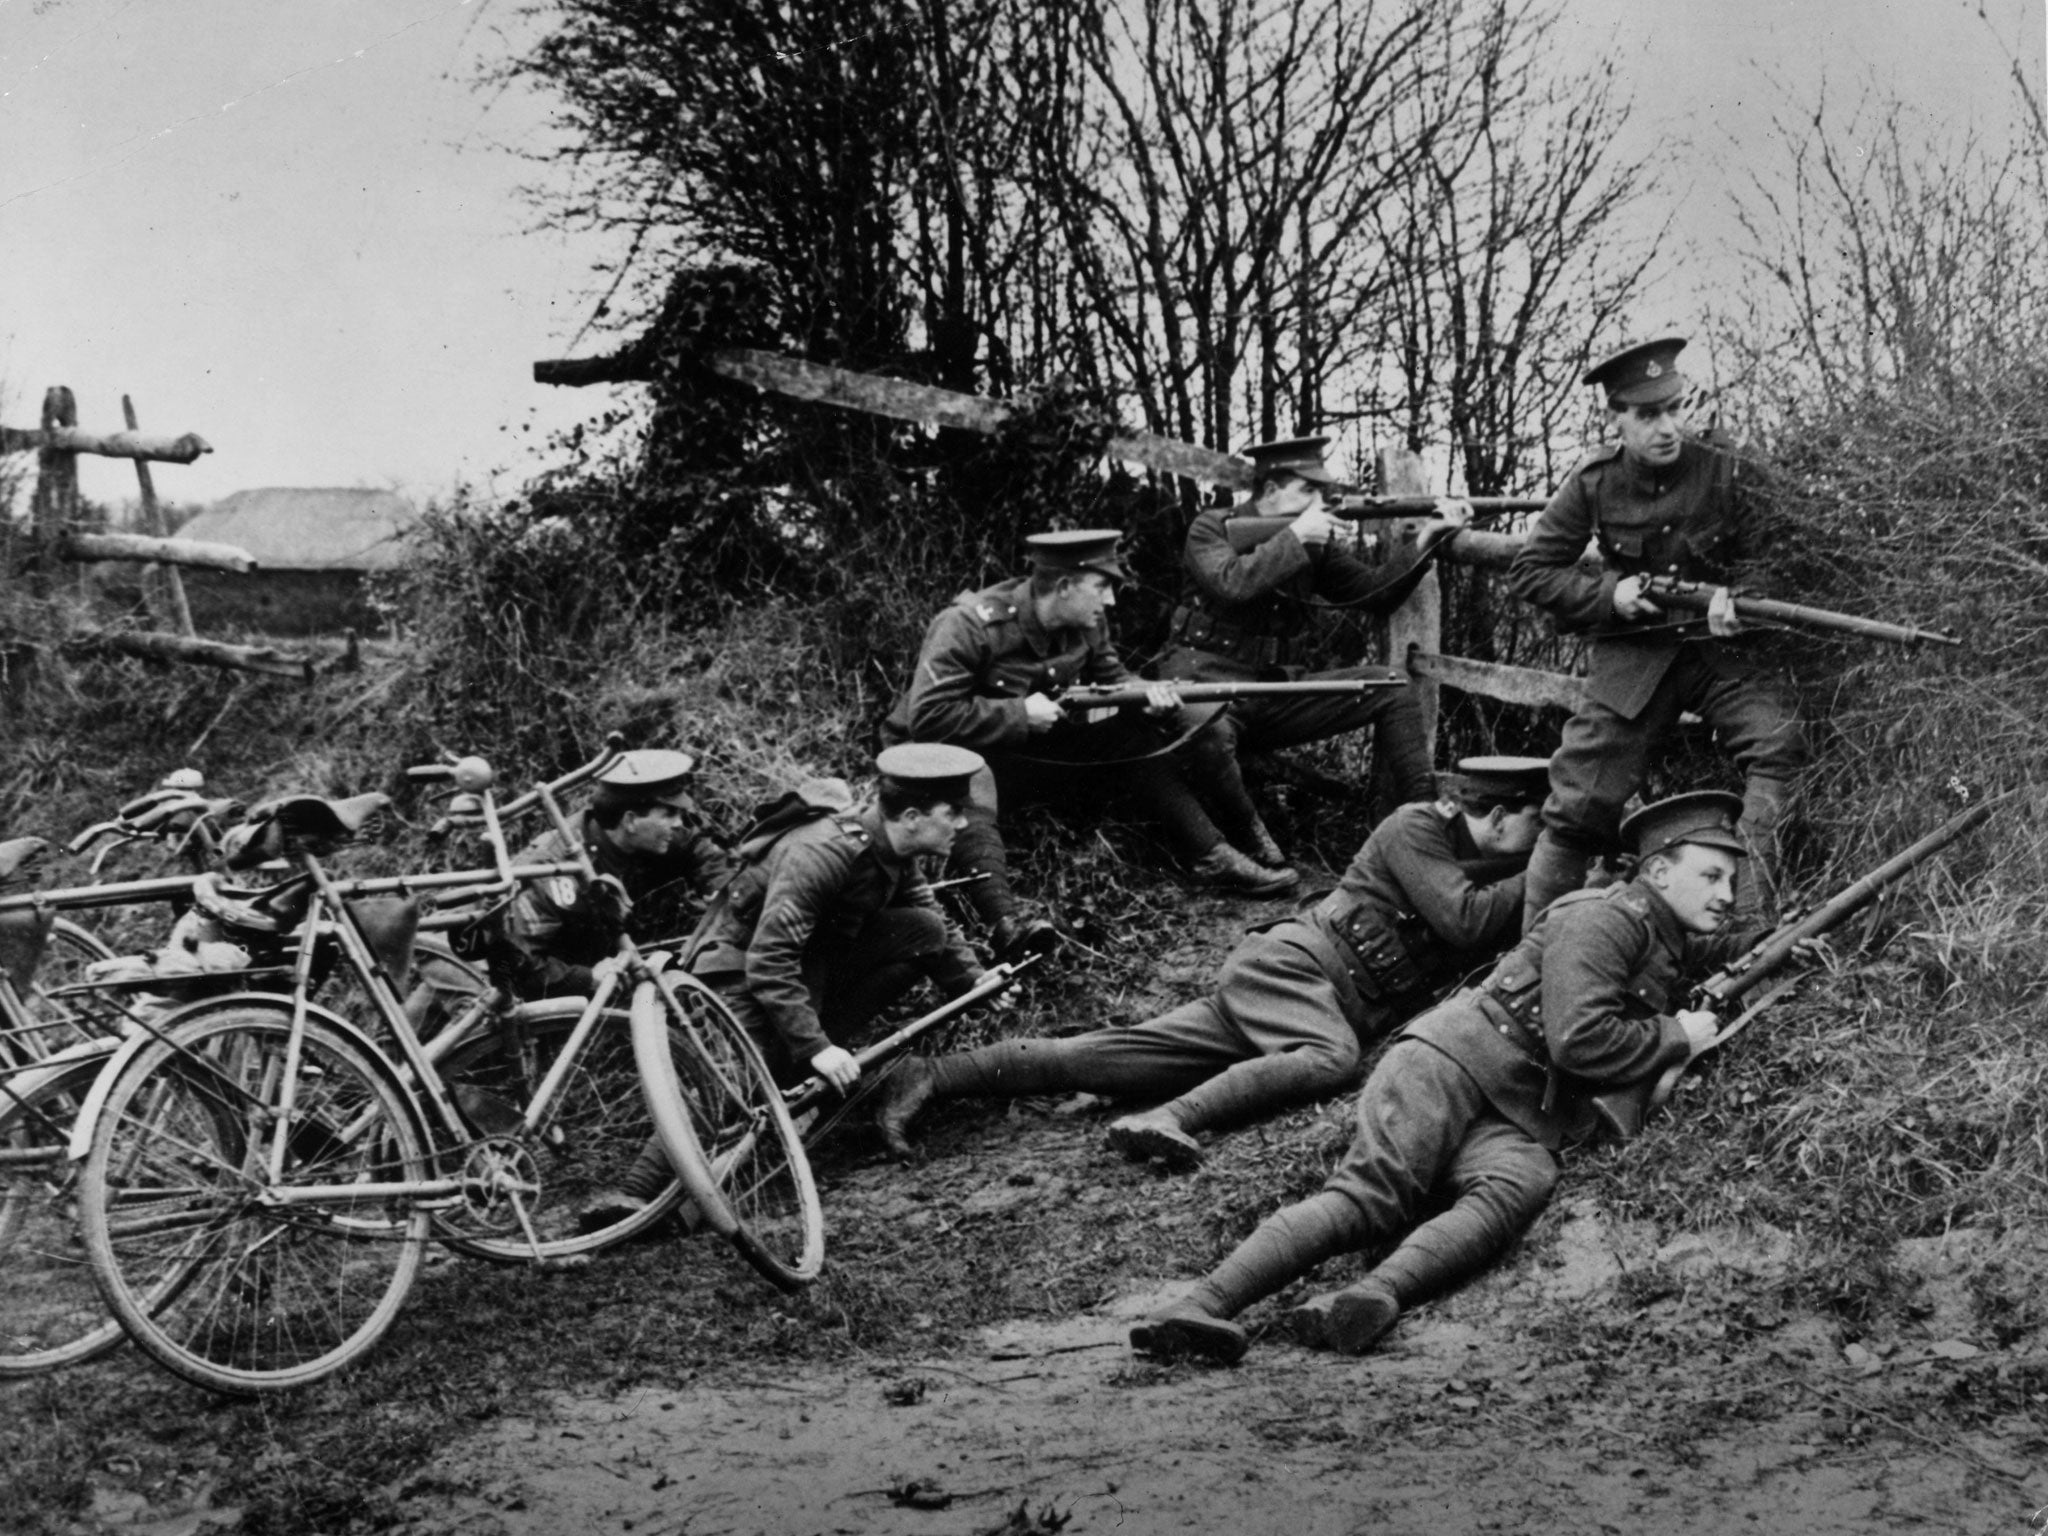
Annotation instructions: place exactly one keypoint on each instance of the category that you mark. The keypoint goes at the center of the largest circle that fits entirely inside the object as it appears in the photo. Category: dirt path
(1471, 1419)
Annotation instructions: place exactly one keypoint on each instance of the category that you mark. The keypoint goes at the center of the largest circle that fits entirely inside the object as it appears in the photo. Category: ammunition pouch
(1386, 966)
(24, 933)
(1200, 630)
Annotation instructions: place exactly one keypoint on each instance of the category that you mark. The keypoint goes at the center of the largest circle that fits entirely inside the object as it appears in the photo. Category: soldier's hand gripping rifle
(1695, 596)
(1247, 532)
(1623, 1110)
(1087, 696)
(995, 981)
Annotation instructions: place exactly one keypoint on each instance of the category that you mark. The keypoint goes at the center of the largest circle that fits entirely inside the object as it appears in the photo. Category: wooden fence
(55, 536)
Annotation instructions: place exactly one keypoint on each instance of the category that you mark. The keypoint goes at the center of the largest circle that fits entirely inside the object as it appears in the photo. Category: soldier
(987, 678)
(827, 922)
(654, 859)
(1474, 1100)
(1660, 502)
(1435, 890)
(1242, 620)
(829, 919)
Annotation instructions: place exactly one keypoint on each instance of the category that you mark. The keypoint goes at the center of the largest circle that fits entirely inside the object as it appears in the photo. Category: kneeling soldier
(1474, 1099)
(828, 922)
(1435, 891)
(829, 919)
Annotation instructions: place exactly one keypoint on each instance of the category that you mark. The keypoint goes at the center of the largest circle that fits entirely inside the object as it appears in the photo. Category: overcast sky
(290, 226)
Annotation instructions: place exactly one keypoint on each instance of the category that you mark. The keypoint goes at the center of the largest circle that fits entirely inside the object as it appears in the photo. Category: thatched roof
(303, 529)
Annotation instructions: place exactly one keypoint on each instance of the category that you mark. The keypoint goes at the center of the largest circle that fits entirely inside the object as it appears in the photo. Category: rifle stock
(1623, 1110)
(1694, 596)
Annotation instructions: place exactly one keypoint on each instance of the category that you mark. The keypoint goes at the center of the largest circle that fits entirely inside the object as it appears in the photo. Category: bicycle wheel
(227, 1277)
(50, 1309)
(720, 1114)
(66, 1021)
(535, 1196)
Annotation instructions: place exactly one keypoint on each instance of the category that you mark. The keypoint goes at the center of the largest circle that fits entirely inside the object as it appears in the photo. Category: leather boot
(1348, 1322)
(1554, 869)
(1264, 850)
(1016, 936)
(907, 1091)
(1156, 1137)
(1224, 868)
(1184, 1331)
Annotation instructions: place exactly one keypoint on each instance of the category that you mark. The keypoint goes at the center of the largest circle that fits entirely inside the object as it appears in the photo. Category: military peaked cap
(1642, 374)
(1078, 549)
(931, 766)
(1301, 456)
(1485, 782)
(654, 776)
(1706, 816)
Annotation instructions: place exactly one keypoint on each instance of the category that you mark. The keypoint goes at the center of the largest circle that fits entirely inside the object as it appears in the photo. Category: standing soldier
(1660, 502)
(1436, 890)
(655, 862)
(988, 678)
(1474, 1100)
(1243, 618)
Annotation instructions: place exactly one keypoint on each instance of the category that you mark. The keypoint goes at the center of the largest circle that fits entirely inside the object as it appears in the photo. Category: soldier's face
(1652, 434)
(650, 831)
(1698, 884)
(932, 831)
(1290, 496)
(1511, 832)
(1083, 602)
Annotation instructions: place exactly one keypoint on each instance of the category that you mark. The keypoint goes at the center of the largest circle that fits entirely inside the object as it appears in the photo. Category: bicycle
(259, 1183)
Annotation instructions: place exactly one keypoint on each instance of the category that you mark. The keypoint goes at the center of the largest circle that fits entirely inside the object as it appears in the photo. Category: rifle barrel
(1106, 695)
(1755, 966)
(1696, 596)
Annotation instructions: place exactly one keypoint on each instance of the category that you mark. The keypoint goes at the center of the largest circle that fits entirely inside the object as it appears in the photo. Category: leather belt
(1203, 631)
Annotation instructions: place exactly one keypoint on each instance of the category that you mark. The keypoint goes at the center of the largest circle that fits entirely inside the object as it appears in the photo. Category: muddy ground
(964, 1368)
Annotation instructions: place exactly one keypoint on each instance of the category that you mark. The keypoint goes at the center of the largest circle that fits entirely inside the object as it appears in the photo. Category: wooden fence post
(55, 507)
(1416, 627)
(165, 577)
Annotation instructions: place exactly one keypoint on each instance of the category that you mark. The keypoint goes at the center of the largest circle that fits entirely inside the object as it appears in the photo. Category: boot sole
(1343, 1322)
(1214, 1341)
(1152, 1144)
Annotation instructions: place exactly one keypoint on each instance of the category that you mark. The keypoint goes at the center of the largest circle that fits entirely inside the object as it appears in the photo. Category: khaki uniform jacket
(1268, 593)
(1701, 519)
(818, 882)
(980, 657)
(1586, 1002)
(1419, 904)
(560, 938)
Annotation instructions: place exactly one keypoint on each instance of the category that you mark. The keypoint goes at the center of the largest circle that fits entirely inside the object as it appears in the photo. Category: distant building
(313, 547)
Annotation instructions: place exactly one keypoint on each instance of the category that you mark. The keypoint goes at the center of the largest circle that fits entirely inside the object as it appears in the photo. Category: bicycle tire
(721, 1117)
(215, 1281)
(63, 1022)
(51, 1313)
(597, 1125)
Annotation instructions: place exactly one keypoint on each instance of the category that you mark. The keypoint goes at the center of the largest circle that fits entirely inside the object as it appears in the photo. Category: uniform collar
(870, 819)
(1658, 910)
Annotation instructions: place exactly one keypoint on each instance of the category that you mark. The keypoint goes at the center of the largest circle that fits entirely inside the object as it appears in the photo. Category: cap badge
(1653, 370)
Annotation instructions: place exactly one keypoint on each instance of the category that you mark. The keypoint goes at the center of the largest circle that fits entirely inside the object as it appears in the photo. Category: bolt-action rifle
(1249, 531)
(1694, 596)
(1623, 1110)
(1111, 695)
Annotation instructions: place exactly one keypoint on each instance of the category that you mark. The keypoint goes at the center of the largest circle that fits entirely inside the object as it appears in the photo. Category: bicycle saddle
(248, 909)
(18, 853)
(300, 822)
